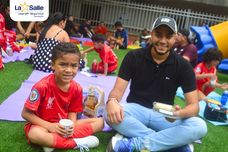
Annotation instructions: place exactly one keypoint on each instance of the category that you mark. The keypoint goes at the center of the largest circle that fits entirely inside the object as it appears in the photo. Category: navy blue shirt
(122, 34)
(151, 82)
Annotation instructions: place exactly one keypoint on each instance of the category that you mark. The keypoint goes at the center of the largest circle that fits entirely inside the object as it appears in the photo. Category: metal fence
(135, 16)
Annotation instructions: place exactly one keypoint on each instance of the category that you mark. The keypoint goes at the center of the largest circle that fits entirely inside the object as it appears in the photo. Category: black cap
(185, 32)
(164, 20)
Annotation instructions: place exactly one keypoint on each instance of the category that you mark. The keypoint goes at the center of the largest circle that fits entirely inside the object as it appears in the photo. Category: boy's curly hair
(64, 48)
(212, 54)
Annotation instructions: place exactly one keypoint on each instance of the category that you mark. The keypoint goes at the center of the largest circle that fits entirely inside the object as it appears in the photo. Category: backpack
(215, 113)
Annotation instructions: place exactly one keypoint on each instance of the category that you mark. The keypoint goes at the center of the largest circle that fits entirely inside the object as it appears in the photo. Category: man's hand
(114, 111)
(175, 113)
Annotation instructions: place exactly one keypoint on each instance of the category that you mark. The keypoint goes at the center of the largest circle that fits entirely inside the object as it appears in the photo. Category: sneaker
(120, 144)
(112, 143)
(86, 143)
(48, 149)
(198, 141)
(191, 147)
(185, 148)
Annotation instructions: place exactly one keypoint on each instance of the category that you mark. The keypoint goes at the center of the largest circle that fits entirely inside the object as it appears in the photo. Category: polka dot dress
(42, 57)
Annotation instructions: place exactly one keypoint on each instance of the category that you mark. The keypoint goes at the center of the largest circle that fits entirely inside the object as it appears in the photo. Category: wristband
(112, 99)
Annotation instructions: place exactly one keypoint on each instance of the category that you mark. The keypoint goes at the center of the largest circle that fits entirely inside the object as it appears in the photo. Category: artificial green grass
(12, 77)
(12, 137)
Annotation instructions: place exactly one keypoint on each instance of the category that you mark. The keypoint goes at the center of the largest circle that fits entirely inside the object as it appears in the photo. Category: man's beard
(159, 53)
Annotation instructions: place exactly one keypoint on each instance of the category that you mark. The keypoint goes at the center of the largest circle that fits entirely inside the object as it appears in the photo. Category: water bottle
(145, 145)
(143, 44)
(224, 97)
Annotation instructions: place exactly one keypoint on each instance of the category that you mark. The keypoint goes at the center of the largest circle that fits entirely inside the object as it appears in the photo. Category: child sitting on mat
(57, 96)
(109, 61)
(205, 71)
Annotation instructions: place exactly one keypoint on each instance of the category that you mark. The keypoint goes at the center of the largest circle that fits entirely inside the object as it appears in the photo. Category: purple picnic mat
(11, 108)
(24, 54)
(81, 39)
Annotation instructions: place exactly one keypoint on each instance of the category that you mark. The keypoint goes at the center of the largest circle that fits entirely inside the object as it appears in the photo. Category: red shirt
(2, 22)
(202, 69)
(107, 55)
(100, 30)
(49, 102)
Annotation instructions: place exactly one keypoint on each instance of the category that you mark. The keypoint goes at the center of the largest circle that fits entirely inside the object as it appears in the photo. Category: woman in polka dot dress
(51, 35)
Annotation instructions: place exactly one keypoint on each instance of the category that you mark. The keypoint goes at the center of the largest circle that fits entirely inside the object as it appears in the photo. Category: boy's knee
(35, 135)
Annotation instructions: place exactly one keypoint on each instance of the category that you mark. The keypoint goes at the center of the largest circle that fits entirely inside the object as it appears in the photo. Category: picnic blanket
(202, 104)
(81, 39)
(24, 54)
(11, 108)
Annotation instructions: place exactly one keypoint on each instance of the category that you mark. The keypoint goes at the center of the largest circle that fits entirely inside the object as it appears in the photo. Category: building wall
(218, 7)
(212, 2)
(135, 16)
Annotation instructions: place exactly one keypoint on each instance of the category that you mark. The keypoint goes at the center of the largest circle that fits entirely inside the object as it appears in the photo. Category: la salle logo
(25, 7)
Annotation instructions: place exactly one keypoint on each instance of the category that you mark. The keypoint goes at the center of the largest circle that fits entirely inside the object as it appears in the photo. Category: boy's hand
(54, 127)
(27, 34)
(212, 76)
(57, 128)
(224, 86)
(82, 55)
(119, 41)
(65, 132)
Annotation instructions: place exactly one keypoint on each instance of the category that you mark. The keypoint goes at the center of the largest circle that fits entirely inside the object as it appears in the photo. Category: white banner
(29, 10)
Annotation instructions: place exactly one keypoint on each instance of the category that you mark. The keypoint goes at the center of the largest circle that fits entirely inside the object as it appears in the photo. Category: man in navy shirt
(121, 35)
(154, 74)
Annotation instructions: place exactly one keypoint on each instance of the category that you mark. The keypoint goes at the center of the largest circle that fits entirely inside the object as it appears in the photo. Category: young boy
(120, 39)
(109, 61)
(57, 96)
(205, 71)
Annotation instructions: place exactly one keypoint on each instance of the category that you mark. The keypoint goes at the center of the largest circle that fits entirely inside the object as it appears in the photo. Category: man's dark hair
(98, 38)
(212, 54)
(64, 48)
